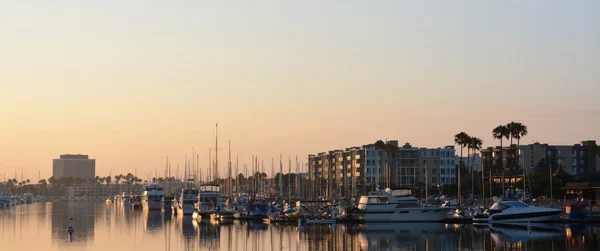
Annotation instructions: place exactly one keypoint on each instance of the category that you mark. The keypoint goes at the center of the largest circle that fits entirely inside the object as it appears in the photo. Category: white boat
(517, 211)
(28, 198)
(152, 197)
(6, 200)
(398, 205)
(126, 200)
(187, 201)
(209, 199)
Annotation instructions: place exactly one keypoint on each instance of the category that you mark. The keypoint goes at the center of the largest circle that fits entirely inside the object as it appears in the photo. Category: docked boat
(167, 204)
(28, 198)
(6, 200)
(258, 208)
(152, 197)
(136, 202)
(209, 200)
(398, 205)
(187, 201)
(126, 199)
(516, 211)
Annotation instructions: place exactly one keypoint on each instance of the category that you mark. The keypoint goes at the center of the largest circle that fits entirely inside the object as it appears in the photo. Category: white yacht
(517, 211)
(209, 200)
(152, 197)
(398, 205)
(187, 201)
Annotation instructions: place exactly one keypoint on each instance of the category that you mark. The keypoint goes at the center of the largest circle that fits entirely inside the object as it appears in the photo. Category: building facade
(97, 190)
(575, 159)
(440, 164)
(357, 170)
(74, 166)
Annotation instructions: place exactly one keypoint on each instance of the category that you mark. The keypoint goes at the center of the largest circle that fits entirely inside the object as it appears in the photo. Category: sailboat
(226, 211)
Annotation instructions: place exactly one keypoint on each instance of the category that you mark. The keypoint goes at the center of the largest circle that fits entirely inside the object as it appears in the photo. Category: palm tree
(519, 131)
(461, 140)
(108, 179)
(501, 132)
(475, 145)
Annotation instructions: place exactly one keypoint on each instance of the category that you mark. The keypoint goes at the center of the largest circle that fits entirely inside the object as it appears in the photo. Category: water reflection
(114, 227)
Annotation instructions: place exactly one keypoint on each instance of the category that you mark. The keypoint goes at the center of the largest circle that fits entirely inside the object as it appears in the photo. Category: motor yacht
(209, 199)
(398, 205)
(187, 201)
(152, 197)
(516, 211)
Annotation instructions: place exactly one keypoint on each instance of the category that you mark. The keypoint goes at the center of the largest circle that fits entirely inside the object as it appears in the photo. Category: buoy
(70, 230)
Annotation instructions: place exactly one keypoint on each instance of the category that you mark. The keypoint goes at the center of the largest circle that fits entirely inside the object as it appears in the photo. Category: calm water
(99, 226)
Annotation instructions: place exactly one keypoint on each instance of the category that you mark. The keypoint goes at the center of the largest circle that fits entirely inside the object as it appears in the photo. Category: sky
(131, 82)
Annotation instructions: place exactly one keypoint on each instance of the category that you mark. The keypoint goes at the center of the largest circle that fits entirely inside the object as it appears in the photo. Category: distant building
(74, 166)
(574, 159)
(96, 190)
(357, 170)
(473, 160)
(440, 163)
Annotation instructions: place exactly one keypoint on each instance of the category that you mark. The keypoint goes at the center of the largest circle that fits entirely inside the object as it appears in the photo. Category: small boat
(258, 208)
(126, 199)
(136, 202)
(167, 204)
(516, 211)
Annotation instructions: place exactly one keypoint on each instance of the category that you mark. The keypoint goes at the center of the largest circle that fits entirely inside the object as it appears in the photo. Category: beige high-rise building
(74, 166)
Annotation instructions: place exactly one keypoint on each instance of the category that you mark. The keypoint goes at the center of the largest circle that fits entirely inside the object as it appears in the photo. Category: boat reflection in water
(129, 229)
(411, 236)
(209, 234)
(153, 221)
(523, 237)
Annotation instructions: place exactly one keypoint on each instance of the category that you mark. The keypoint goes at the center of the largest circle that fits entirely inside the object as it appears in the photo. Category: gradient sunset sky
(129, 82)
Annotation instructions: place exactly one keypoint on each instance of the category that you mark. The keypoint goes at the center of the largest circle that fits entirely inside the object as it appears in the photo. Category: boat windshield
(401, 192)
(370, 200)
(515, 204)
(506, 204)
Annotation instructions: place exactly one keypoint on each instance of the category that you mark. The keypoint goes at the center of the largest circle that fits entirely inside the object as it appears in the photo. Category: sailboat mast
(216, 172)
(229, 173)
(280, 177)
(289, 179)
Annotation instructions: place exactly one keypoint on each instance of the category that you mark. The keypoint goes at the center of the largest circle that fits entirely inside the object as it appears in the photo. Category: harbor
(101, 226)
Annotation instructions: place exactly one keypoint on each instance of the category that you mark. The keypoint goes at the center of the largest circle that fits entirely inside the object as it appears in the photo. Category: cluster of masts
(194, 176)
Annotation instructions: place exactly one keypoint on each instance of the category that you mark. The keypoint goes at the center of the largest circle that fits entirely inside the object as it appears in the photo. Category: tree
(460, 139)
(518, 131)
(108, 179)
(475, 145)
(501, 132)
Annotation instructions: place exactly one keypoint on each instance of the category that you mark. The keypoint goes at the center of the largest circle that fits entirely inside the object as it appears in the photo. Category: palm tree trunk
(502, 167)
(458, 177)
(469, 167)
(473, 176)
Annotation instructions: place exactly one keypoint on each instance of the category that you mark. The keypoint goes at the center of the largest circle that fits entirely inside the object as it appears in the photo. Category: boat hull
(152, 205)
(528, 217)
(407, 215)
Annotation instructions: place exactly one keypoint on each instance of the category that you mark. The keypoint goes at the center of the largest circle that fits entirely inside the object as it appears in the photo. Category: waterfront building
(440, 164)
(354, 171)
(74, 166)
(93, 190)
(574, 159)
